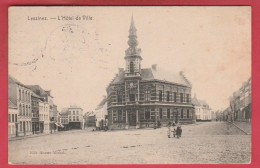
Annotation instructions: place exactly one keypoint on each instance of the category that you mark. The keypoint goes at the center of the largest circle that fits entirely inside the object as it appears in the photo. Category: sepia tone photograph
(129, 85)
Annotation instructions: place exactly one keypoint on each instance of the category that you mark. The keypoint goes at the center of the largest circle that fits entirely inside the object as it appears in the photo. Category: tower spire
(132, 41)
(132, 54)
(132, 30)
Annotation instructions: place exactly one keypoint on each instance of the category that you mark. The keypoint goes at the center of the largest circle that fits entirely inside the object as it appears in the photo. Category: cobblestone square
(208, 142)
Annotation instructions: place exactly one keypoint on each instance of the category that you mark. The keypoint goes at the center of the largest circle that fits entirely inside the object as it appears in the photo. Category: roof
(35, 95)
(198, 102)
(13, 80)
(38, 90)
(64, 111)
(195, 101)
(11, 104)
(156, 74)
(75, 106)
(102, 103)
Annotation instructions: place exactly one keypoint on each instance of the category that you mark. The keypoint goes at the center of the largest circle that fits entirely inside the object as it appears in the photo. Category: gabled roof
(11, 104)
(155, 74)
(195, 101)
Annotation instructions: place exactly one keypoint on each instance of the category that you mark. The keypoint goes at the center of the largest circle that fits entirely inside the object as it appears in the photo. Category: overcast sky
(76, 59)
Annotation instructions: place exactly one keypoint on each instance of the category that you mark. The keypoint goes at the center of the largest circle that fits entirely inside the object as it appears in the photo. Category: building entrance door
(132, 118)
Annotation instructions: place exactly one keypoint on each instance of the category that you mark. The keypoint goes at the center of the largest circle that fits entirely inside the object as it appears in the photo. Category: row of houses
(30, 109)
(239, 104)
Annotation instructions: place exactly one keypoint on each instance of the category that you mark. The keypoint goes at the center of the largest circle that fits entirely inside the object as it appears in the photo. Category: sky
(76, 59)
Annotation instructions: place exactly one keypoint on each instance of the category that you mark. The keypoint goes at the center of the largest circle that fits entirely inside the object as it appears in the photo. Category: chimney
(154, 67)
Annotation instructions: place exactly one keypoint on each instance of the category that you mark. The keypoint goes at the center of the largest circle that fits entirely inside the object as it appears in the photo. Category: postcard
(129, 85)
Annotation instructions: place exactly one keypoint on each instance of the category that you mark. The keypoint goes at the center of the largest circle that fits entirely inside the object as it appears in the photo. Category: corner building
(138, 98)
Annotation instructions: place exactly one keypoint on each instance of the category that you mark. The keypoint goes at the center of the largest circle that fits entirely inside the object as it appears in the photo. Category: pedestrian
(174, 132)
(169, 129)
(180, 131)
(169, 132)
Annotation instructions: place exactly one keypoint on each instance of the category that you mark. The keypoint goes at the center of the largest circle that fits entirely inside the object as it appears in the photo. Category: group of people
(174, 129)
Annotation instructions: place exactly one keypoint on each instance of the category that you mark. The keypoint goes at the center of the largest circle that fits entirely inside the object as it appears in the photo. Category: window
(188, 98)
(181, 97)
(73, 112)
(168, 96)
(23, 110)
(119, 97)
(73, 118)
(160, 95)
(175, 97)
(131, 67)
(69, 118)
(181, 113)
(9, 117)
(160, 111)
(77, 118)
(77, 112)
(21, 126)
(12, 120)
(25, 96)
(132, 97)
(147, 113)
(147, 95)
(188, 113)
(119, 115)
(15, 118)
(20, 109)
(26, 112)
(168, 113)
(20, 97)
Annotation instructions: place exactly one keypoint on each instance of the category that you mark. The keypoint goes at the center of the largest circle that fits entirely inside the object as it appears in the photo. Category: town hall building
(147, 97)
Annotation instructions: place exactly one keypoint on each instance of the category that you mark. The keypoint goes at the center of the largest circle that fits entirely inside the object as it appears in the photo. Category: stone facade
(138, 98)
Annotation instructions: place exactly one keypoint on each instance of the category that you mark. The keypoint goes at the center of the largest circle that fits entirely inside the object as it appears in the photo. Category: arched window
(131, 67)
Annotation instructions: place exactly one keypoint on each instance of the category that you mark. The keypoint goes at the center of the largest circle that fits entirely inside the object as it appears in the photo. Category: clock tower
(132, 54)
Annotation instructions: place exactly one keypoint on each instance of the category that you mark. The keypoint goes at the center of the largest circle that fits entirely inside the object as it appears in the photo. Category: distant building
(12, 119)
(75, 115)
(139, 97)
(240, 102)
(101, 113)
(64, 119)
(20, 95)
(36, 113)
(202, 109)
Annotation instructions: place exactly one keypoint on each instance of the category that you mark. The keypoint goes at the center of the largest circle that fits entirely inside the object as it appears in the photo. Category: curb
(239, 128)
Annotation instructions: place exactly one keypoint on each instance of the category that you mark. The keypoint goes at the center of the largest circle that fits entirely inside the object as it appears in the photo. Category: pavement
(207, 142)
(245, 126)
